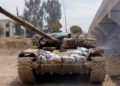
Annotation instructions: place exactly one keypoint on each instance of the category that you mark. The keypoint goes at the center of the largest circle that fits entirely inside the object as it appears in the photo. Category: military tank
(49, 58)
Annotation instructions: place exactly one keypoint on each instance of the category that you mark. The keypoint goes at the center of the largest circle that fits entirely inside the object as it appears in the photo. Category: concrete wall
(106, 28)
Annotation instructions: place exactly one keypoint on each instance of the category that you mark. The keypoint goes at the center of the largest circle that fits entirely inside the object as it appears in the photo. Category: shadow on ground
(57, 80)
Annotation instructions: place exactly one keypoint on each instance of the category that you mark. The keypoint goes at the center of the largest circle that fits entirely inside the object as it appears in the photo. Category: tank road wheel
(25, 70)
(98, 72)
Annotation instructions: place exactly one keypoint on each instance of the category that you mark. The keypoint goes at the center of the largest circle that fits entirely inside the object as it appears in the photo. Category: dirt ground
(9, 76)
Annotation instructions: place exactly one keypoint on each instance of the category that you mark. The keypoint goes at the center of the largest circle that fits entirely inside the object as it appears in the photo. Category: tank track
(25, 70)
(98, 72)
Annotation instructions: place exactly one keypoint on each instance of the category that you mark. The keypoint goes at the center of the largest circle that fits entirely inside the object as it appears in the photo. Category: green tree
(53, 9)
(38, 13)
(33, 13)
(17, 25)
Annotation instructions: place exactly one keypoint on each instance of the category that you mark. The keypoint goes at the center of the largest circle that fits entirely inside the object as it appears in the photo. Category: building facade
(7, 28)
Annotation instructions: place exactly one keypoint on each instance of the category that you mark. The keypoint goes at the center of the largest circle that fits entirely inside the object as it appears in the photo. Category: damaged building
(7, 28)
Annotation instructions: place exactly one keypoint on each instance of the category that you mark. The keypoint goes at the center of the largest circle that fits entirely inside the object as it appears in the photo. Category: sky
(78, 12)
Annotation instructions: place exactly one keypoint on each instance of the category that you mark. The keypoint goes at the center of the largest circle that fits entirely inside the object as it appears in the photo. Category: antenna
(65, 16)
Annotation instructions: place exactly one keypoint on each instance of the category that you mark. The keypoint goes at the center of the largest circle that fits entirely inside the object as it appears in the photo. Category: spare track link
(98, 72)
(25, 70)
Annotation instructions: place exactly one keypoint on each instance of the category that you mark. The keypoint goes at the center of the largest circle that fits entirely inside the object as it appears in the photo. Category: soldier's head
(76, 29)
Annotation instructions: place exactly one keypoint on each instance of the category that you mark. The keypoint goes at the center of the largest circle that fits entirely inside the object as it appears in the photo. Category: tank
(53, 57)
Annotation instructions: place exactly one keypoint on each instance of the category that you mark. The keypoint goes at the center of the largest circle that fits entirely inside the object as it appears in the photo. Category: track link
(25, 70)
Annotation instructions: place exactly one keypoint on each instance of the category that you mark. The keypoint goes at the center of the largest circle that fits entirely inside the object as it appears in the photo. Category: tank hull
(29, 67)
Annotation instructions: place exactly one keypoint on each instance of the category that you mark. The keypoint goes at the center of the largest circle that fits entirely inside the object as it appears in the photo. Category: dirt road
(9, 76)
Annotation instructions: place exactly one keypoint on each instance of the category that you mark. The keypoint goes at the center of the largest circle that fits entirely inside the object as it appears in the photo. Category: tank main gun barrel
(25, 24)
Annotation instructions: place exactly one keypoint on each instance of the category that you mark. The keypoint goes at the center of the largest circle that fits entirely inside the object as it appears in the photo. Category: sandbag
(68, 59)
(79, 58)
(55, 59)
(42, 59)
(96, 51)
(79, 55)
(81, 51)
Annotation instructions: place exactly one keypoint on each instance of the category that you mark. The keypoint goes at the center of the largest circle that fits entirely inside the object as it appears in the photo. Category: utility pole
(65, 16)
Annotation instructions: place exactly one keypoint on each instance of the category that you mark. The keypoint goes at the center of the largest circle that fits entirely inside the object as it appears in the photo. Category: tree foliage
(17, 25)
(53, 9)
(33, 13)
(38, 12)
